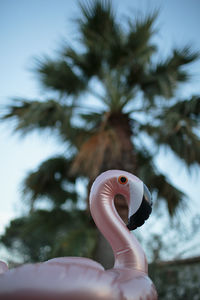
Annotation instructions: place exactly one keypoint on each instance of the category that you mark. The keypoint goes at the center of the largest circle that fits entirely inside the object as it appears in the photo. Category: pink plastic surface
(73, 278)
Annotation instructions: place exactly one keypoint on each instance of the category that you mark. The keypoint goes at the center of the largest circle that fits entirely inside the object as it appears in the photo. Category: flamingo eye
(122, 180)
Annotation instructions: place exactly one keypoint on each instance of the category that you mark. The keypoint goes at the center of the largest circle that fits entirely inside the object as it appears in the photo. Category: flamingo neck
(127, 250)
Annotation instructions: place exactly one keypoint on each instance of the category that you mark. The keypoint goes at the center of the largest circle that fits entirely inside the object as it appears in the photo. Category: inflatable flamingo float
(73, 278)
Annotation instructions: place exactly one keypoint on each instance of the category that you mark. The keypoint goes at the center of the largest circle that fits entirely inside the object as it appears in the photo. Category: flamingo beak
(141, 211)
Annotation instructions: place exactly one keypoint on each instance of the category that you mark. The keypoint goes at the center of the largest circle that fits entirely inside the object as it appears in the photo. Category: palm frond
(139, 36)
(179, 121)
(183, 56)
(60, 76)
(180, 139)
(159, 183)
(187, 109)
(88, 62)
(30, 115)
(176, 130)
(97, 23)
(92, 120)
(51, 181)
(101, 35)
(185, 144)
(162, 79)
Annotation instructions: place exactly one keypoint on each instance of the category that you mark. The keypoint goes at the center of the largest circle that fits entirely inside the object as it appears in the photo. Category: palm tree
(117, 67)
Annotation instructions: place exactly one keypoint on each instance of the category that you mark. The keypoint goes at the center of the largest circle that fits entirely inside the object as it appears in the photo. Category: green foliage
(159, 183)
(117, 65)
(176, 280)
(44, 234)
(176, 129)
(30, 115)
(162, 78)
(97, 25)
(59, 76)
(52, 181)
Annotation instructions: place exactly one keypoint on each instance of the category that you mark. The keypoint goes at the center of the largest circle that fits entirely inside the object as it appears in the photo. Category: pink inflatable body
(73, 278)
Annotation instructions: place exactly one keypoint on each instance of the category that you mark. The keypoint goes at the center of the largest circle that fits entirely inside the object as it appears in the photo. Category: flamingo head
(138, 197)
(134, 191)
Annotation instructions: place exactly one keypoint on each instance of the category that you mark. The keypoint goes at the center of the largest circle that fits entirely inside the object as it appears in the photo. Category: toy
(71, 278)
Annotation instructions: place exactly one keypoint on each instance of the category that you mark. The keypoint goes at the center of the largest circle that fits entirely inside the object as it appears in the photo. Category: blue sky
(32, 28)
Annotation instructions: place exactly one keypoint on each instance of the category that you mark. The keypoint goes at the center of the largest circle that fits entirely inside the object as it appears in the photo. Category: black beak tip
(131, 227)
(141, 215)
